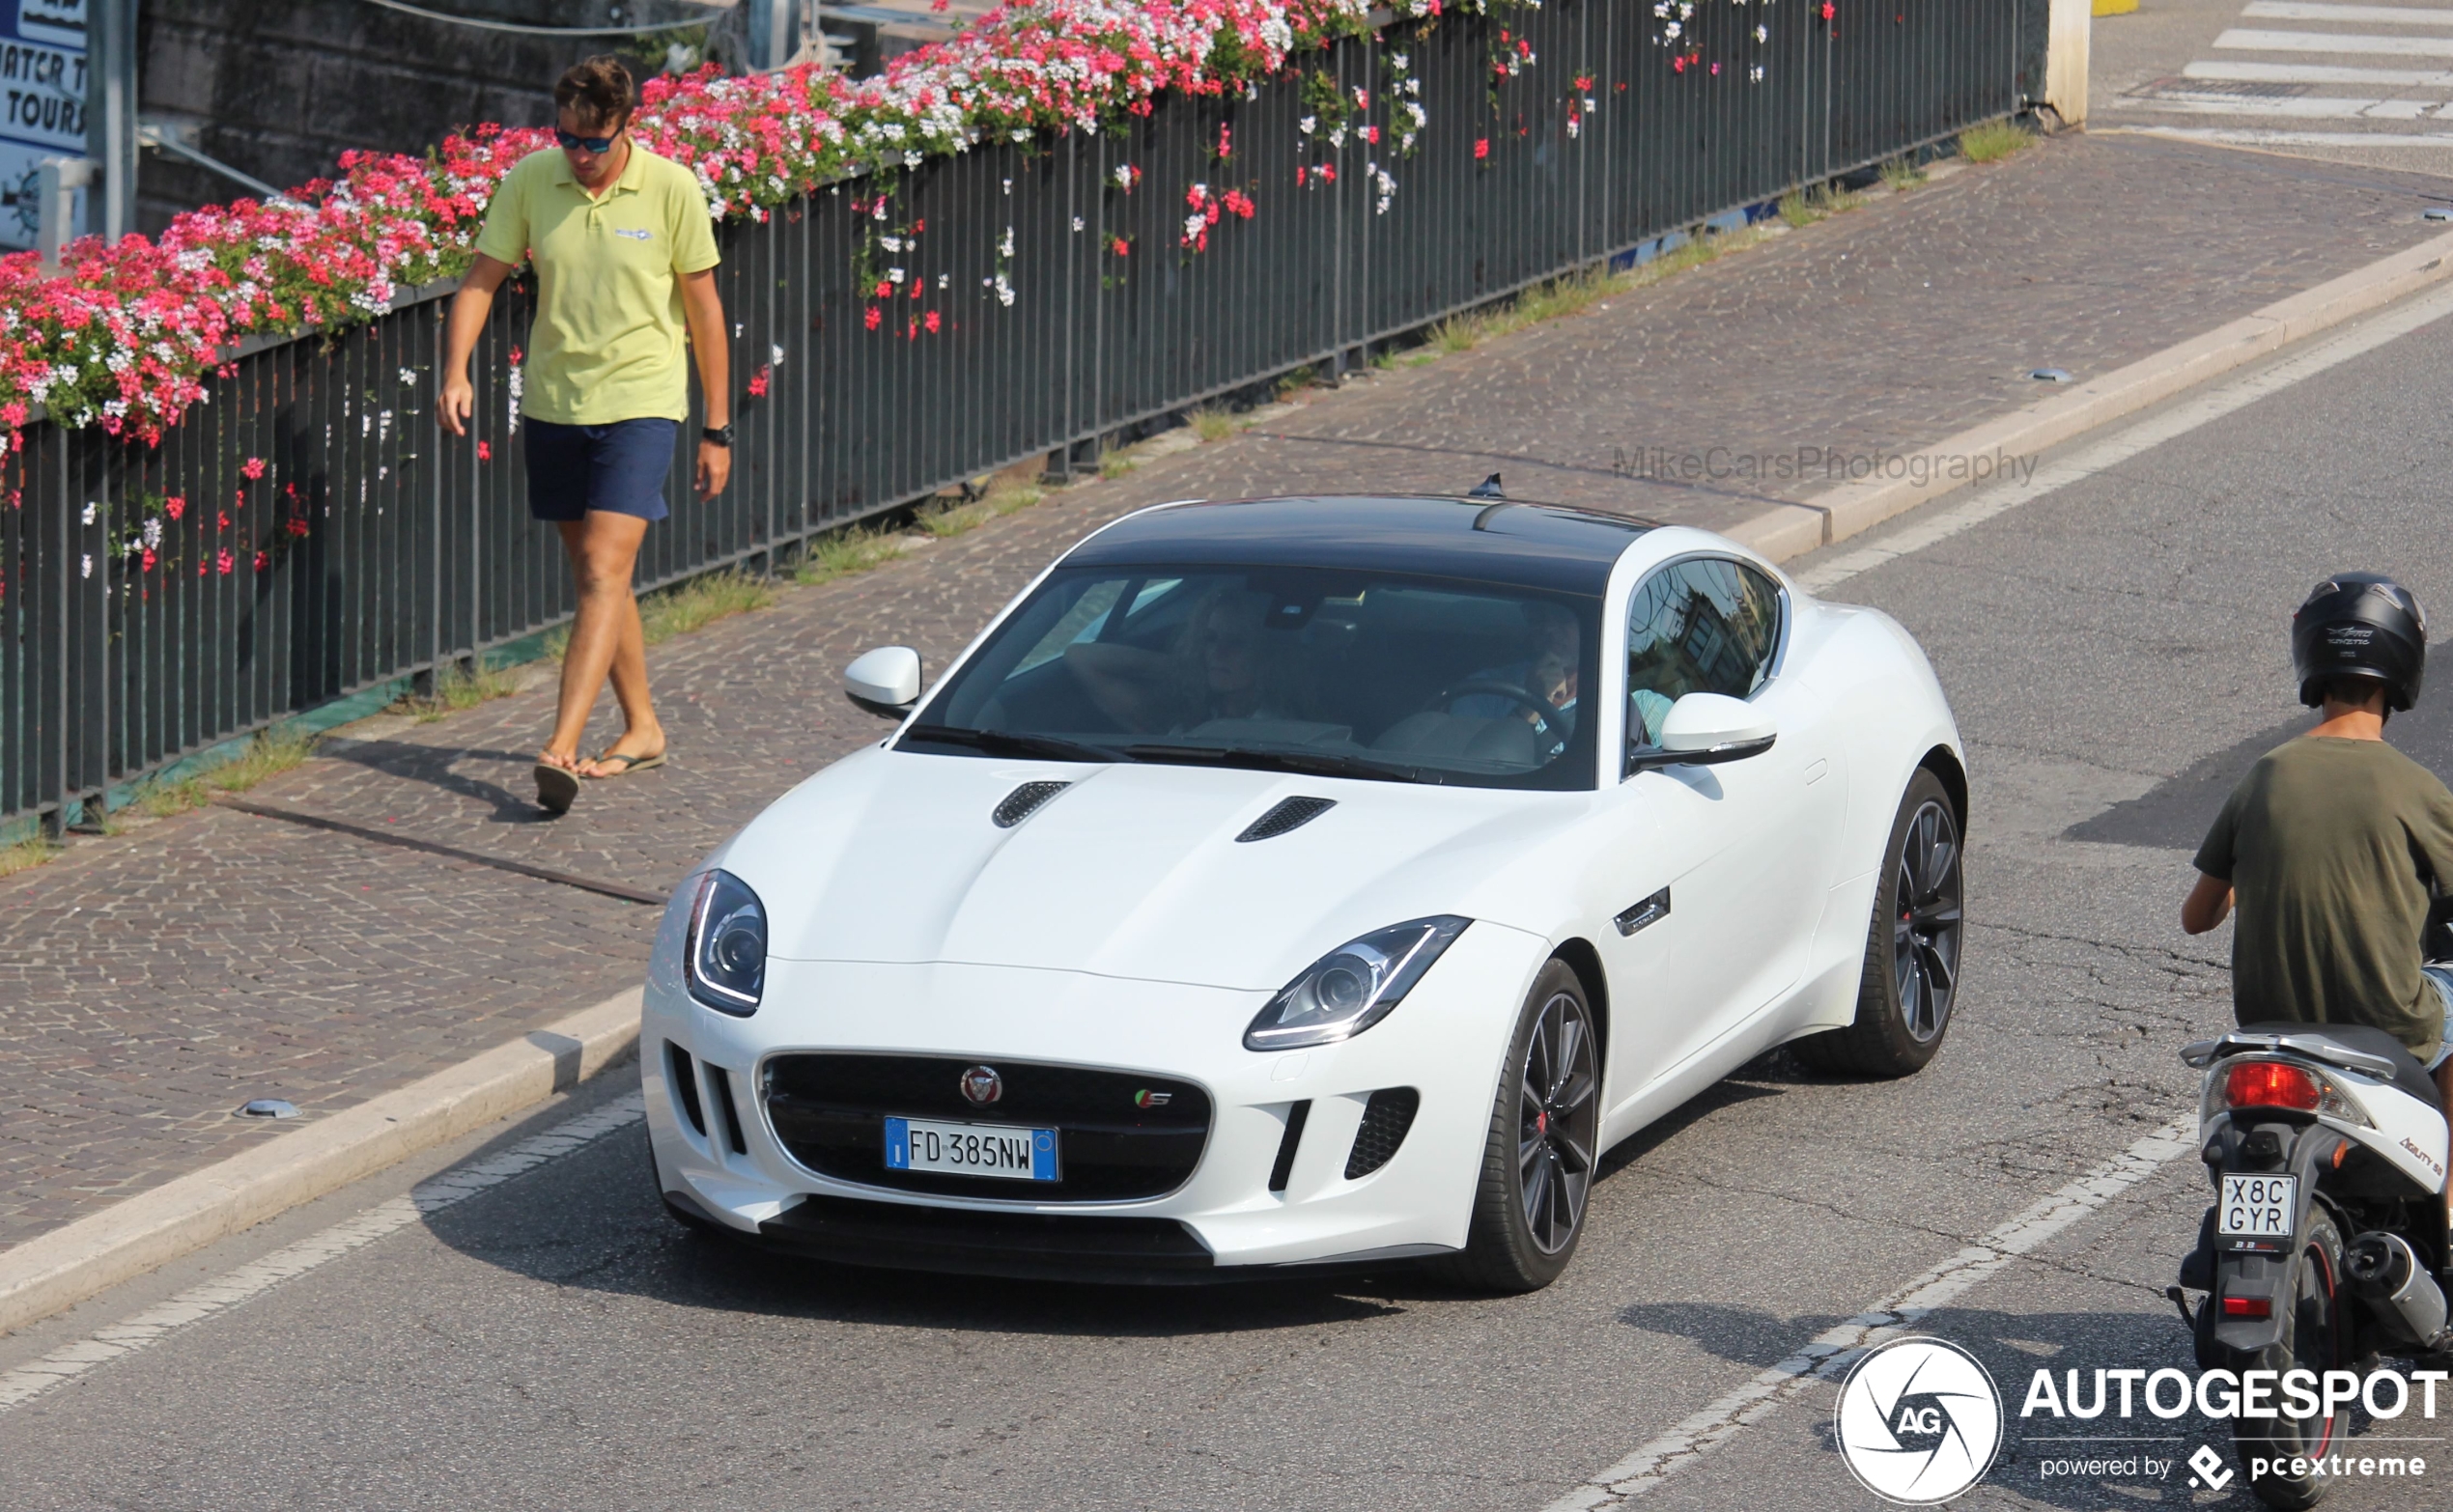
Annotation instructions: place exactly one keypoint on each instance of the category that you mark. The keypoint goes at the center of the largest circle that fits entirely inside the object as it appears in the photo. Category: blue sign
(41, 103)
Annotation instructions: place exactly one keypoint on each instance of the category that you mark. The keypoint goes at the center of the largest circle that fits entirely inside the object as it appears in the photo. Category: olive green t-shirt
(606, 344)
(2331, 846)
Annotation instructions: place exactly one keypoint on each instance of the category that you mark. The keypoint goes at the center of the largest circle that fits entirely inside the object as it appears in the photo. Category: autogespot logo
(1919, 1420)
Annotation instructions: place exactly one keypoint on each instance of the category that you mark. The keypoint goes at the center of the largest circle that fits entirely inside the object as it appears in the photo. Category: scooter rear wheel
(2314, 1338)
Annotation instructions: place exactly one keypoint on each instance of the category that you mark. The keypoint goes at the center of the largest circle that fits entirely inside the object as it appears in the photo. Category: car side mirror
(1707, 729)
(885, 682)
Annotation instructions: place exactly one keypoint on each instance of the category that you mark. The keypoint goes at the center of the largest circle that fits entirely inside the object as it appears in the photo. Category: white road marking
(2318, 73)
(2329, 107)
(2248, 137)
(220, 1294)
(2346, 15)
(1830, 1352)
(2249, 40)
(2224, 399)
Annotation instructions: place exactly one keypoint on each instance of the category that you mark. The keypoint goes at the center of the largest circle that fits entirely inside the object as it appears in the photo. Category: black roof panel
(1528, 545)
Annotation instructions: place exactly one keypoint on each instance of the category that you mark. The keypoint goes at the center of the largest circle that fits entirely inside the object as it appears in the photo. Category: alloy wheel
(1924, 933)
(1560, 1121)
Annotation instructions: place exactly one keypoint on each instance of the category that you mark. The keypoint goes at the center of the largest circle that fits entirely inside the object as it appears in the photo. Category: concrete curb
(1980, 453)
(63, 1267)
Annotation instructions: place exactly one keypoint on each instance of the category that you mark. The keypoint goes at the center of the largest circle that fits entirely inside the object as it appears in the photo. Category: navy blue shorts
(619, 467)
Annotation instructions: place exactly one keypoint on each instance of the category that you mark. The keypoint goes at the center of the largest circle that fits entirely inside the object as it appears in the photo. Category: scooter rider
(2334, 841)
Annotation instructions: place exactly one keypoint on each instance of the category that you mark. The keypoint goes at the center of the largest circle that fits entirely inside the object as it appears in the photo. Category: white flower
(1004, 291)
(1754, 74)
(408, 377)
(891, 244)
(1021, 134)
(1397, 60)
(1192, 227)
(774, 355)
(944, 281)
(893, 275)
(911, 159)
(88, 517)
(1306, 123)
(1762, 33)
(151, 535)
(1076, 223)
(89, 565)
(1336, 138)
(1671, 31)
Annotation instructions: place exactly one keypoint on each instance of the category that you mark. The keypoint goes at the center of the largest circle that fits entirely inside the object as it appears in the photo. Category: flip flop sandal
(558, 787)
(630, 764)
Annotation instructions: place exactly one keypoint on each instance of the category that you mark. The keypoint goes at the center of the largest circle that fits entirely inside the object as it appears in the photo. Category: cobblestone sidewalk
(151, 983)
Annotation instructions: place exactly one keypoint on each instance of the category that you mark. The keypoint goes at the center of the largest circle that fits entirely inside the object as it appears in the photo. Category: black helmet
(2359, 625)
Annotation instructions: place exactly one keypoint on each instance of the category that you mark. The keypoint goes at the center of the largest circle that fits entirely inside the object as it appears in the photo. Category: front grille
(1057, 1246)
(829, 1111)
(1385, 1120)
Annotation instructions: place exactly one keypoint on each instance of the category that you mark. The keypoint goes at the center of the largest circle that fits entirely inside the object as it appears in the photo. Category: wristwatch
(720, 434)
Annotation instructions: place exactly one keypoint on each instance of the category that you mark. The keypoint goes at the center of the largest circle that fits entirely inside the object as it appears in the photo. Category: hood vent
(1290, 814)
(1024, 801)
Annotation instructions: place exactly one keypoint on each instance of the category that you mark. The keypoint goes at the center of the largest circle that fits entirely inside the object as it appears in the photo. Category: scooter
(2327, 1243)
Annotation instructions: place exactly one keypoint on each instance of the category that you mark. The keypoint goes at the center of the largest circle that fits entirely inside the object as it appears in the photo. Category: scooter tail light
(2248, 1307)
(2272, 1083)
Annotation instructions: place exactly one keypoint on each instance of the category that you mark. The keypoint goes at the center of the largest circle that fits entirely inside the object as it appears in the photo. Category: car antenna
(1487, 489)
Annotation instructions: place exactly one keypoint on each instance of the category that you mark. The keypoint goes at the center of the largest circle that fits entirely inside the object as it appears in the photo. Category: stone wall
(281, 88)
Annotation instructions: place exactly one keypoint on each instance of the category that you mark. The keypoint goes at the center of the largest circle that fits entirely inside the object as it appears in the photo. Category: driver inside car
(2334, 842)
(1547, 674)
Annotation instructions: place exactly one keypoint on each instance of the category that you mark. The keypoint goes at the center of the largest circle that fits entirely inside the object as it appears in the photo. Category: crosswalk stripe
(2245, 72)
(2343, 14)
(2304, 107)
(2249, 40)
(2248, 137)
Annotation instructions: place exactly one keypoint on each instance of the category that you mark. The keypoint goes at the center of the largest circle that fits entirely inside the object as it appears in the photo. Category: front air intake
(683, 1078)
(1385, 1120)
(1024, 801)
(1290, 814)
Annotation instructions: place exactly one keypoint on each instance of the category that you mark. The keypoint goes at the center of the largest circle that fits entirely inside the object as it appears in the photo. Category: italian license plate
(2258, 1207)
(959, 1149)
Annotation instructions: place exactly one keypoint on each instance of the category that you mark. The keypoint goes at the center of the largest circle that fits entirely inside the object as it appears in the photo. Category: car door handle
(1643, 915)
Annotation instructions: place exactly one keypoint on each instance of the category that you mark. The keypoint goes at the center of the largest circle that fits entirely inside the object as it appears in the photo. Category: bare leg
(604, 638)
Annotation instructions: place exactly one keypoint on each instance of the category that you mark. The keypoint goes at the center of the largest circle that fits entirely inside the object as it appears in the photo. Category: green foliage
(1993, 141)
(456, 690)
(271, 753)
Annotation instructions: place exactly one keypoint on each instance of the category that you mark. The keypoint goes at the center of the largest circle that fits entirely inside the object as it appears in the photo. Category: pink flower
(174, 506)
(253, 467)
(874, 318)
(485, 451)
(1481, 148)
(930, 321)
(1120, 246)
(758, 383)
(264, 559)
(223, 560)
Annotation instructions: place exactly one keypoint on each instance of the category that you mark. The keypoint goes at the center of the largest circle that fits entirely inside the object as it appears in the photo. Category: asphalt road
(2114, 649)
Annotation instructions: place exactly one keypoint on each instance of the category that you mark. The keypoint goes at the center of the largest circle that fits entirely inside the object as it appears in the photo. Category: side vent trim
(1386, 1118)
(683, 1078)
(1290, 814)
(720, 1087)
(1024, 801)
(1288, 1144)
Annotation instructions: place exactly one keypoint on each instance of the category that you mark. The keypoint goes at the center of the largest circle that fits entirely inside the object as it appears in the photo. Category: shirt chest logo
(635, 235)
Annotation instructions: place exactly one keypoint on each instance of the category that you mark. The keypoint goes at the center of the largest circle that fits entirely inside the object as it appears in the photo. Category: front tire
(2313, 1339)
(1540, 1158)
(1910, 980)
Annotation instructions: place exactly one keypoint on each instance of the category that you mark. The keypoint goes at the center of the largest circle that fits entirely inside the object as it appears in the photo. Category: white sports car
(1260, 892)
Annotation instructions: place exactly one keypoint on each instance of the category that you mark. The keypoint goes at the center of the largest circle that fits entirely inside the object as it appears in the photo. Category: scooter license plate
(2258, 1207)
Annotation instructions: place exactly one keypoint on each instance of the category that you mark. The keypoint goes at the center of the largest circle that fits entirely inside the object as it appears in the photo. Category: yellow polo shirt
(608, 341)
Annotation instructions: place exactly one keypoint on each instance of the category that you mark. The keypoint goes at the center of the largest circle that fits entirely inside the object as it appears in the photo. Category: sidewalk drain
(2052, 375)
(269, 1107)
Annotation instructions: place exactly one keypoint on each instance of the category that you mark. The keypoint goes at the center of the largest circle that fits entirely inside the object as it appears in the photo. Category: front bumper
(719, 1158)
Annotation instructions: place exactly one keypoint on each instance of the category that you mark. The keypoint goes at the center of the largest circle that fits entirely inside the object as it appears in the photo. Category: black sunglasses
(598, 145)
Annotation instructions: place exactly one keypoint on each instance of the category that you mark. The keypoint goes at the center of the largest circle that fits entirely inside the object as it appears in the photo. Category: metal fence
(309, 532)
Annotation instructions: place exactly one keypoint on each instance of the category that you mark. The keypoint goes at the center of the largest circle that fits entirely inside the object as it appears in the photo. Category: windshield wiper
(1324, 763)
(1009, 743)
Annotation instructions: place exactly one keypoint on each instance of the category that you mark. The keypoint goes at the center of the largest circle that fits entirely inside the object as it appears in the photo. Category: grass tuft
(1901, 174)
(1212, 423)
(952, 519)
(271, 753)
(841, 554)
(1802, 207)
(700, 602)
(456, 690)
(25, 856)
(1993, 141)
(1114, 465)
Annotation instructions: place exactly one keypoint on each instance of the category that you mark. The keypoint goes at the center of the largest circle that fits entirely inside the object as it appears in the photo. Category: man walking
(624, 259)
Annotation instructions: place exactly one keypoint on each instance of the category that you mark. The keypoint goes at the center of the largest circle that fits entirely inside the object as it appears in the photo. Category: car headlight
(726, 959)
(1352, 986)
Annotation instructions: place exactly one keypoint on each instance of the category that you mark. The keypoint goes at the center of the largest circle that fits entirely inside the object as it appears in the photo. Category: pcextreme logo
(1919, 1420)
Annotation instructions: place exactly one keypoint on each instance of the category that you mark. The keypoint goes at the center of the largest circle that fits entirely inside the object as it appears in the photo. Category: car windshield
(1388, 677)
